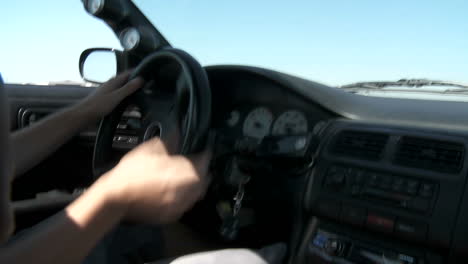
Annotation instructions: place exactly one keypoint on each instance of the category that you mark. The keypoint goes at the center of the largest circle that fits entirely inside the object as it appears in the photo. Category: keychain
(230, 227)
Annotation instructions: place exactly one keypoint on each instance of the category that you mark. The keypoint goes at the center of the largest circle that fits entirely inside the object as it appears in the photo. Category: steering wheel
(175, 104)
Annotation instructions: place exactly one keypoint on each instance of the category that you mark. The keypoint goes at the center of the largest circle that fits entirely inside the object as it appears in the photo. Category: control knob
(334, 247)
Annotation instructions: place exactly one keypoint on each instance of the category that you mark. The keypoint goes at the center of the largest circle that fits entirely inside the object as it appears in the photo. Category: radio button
(398, 181)
(353, 215)
(356, 176)
(420, 204)
(385, 182)
(413, 184)
(412, 187)
(380, 223)
(355, 190)
(397, 188)
(411, 191)
(410, 229)
(373, 178)
(427, 190)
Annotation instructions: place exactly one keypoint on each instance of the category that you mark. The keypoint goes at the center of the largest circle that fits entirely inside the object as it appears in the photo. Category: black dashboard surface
(411, 112)
(242, 89)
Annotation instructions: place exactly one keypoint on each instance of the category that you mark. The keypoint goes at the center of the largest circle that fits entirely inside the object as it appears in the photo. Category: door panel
(69, 168)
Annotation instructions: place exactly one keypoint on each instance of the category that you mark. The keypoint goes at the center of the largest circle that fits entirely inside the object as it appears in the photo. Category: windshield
(332, 42)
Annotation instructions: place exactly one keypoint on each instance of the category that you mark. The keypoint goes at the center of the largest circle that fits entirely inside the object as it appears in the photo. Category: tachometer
(258, 122)
(290, 123)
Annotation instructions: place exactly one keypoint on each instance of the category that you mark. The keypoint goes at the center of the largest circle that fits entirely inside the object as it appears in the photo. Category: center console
(384, 194)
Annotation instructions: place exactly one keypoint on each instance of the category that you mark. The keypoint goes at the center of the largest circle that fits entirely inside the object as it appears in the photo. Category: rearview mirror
(97, 65)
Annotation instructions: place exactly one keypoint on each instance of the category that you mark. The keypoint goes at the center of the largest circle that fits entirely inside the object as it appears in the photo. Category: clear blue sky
(334, 42)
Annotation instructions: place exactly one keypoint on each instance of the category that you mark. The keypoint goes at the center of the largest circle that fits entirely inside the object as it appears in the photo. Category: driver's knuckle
(184, 162)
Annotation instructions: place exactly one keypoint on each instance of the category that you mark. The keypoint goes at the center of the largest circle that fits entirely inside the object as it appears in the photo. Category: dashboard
(343, 178)
(388, 181)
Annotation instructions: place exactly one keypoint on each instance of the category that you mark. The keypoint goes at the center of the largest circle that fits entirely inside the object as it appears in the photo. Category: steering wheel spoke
(172, 134)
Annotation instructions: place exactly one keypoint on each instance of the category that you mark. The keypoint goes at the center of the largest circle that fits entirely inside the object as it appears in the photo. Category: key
(230, 228)
(238, 199)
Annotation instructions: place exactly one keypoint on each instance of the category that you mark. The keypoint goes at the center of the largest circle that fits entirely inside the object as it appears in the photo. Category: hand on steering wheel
(107, 96)
(175, 105)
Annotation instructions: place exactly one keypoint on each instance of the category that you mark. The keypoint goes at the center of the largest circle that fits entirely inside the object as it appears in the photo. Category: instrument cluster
(261, 121)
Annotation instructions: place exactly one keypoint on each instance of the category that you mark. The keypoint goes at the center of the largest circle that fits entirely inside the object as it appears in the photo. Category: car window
(42, 40)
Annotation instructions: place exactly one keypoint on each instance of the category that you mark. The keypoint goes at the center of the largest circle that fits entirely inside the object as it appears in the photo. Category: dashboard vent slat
(360, 144)
(431, 154)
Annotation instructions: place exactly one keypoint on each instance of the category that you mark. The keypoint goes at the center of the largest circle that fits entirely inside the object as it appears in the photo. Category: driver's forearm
(33, 144)
(69, 236)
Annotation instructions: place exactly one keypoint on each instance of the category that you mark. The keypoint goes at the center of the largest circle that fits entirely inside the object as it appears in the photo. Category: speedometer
(290, 123)
(258, 122)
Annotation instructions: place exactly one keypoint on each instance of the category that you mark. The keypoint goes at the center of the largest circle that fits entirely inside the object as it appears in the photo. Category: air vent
(360, 144)
(430, 154)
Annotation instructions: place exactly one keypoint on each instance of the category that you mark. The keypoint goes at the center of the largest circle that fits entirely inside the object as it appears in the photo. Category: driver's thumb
(201, 162)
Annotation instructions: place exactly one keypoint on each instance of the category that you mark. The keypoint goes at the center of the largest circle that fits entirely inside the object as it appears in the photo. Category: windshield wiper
(411, 83)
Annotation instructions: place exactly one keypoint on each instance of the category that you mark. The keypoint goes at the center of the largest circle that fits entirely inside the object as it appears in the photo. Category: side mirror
(97, 65)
